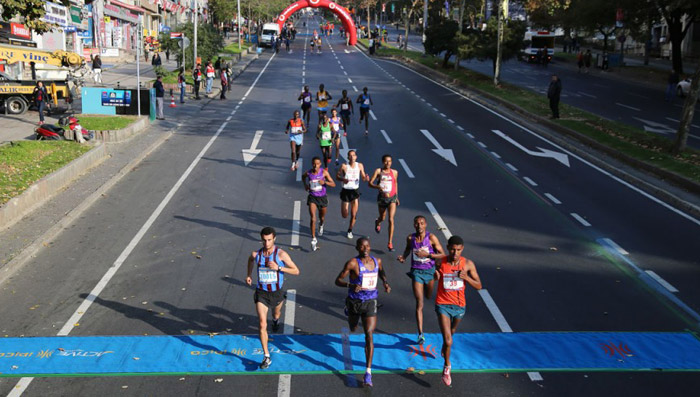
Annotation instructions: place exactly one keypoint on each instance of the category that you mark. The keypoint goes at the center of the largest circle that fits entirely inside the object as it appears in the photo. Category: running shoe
(390, 247)
(267, 361)
(377, 226)
(294, 166)
(350, 234)
(446, 377)
(313, 245)
(421, 339)
(320, 230)
(368, 379)
(336, 162)
(345, 133)
(366, 132)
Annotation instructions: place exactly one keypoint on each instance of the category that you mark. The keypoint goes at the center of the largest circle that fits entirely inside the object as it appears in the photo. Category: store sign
(120, 13)
(56, 14)
(21, 31)
(79, 18)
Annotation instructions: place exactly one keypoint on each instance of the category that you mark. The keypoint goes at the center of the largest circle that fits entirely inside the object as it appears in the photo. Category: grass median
(105, 123)
(633, 142)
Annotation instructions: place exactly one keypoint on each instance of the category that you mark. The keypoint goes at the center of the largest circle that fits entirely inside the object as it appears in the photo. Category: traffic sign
(185, 41)
(176, 35)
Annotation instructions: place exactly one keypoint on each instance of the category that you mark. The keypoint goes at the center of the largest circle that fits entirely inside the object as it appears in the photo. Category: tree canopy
(31, 12)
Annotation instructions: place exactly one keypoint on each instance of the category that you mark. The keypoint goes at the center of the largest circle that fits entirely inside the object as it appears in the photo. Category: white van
(269, 31)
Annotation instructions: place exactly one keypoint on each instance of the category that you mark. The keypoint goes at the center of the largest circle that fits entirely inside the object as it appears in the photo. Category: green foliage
(160, 70)
(223, 10)
(31, 12)
(440, 37)
(482, 44)
(209, 44)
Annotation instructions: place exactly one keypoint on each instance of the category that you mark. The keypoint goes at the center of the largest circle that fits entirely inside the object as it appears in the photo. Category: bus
(539, 40)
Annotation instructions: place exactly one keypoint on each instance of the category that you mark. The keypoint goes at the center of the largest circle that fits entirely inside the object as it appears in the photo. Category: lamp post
(239, 24)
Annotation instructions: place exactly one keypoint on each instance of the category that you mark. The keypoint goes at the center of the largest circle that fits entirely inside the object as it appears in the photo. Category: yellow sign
(107, 19)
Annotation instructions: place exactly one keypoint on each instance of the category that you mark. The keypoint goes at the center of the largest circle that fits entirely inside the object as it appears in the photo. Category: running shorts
(358, 307)
(422, 276)
(386, 201)
(270, 298)
(320, 202)
(349, 195)
(454, 312)
(297, 138)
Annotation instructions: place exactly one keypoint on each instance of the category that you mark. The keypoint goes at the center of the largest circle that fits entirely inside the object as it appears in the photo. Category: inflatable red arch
(337, 9)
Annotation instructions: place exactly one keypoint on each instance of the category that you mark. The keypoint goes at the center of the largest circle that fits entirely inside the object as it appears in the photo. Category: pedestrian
(450, 303)
(286, 43)
(271, 265)
(229, 75)
(224, 83)
(579, 61)
(182, 84)
(145, 51)
(587, 59)
(315, 181)
(41, 98)
(371, 46)
(155, 61)
(167, 54)
(545, 56)
(217, 65)
(160, 92)
(197, 78)
(385, 180)
(97, 69)
(672, 83)
(554, 93)
(210, 73)
(606, 62)
(363, 273)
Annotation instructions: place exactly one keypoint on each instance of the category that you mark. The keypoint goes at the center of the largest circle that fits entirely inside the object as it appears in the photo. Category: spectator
(554, 93)
(160, 92)
(156, 61)
(41, 98)
(229, 75)
(182, 84)
(217, 64)
(197, 78)
(224, 83)
(673, 79)
(167, 54)
(579, 61)
(210, 73)
(606, 62)
(587, 58)
(97, 69)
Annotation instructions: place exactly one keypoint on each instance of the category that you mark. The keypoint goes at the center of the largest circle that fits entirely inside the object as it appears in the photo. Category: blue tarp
(298, 354)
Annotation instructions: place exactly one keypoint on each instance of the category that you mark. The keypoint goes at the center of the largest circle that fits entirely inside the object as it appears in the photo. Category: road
(560, 245)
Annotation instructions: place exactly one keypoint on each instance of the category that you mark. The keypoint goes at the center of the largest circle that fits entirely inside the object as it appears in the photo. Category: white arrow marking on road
(249, 154)
(657, 128)
(444, 153)
(344, 151)
(560, 157)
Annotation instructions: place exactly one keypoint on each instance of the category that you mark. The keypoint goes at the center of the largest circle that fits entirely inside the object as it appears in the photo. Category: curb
(660, 193)
(116, 136)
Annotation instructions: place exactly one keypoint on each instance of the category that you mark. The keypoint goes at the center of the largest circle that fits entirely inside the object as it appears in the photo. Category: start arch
(337, 9)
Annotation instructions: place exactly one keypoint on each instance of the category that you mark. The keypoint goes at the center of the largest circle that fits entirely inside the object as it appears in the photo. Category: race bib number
(296, 130)
(452, 282)
(336, 127)
(307, 99)
(369, 281)
(366, 102)
(267, 276)
(326, 135)
(417, 258)
(316, 186)
(344, 106)
(321, 97)
(385, 185)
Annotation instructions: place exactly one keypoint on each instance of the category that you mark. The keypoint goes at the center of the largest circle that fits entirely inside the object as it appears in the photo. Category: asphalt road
(176, 233)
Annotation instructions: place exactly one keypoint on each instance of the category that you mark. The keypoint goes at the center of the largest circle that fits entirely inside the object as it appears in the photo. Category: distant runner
(346, 108)
(365, 100)
(271, 264)
(385, 180)
(322, 98)
(350, 174)
(325, 136)
(336, 123)
(315, 181)
(296, 130)
(305, 97)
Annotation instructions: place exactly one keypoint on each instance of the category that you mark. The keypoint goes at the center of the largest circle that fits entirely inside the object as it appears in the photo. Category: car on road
(683, 87)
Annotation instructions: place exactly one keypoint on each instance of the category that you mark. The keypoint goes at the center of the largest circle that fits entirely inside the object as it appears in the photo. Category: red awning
(127, 6)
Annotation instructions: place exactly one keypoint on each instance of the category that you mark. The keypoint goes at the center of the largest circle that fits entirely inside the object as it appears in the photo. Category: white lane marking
(512, 167)
(303, 74)
(240, 102)
(303, 80)
(422, 99)
(459, 127)
(451, 121)
(443, 115)
(296, 217)
(284, 385)
(354, 88)
(530, 181)
(435, 109)
(638, 95)
(338, 61)
(237, 106)
(661, 281)
(346, 73)
(429, 104)
(482, 144)
(470, 135)
(495, 155)
(628, 107)
(229, 118)
(371, 113)
(349, 81)
(674, 120)
(580, 219)
(616, 247)
(386, 136)
(438, 219)
(552, 198)
(588, 95)
(300, 167)
(303, 67)
(405, 167)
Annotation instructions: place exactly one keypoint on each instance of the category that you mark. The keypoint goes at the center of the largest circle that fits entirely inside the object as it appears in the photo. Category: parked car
(683, 87)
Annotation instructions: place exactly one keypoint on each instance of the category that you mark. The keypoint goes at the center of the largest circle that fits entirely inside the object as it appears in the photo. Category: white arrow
(560, 157)
(444, 153)
(657, 128)
(249, 154)
(344, 151)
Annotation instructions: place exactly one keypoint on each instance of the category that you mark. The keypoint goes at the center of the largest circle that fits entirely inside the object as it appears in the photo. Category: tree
(31, 12)
(209, 44)
(688, 112)
(223, 10)
(440, 34)
(675, 13)
(482, 45)
(411, 8)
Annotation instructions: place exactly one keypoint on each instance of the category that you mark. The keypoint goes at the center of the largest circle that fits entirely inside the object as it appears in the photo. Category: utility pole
(502, 15)
(196, 16)
(239, 25)
(425, 19)
(138, 68)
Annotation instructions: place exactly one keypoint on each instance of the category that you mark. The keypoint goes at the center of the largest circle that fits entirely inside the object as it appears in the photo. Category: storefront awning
(127, 6)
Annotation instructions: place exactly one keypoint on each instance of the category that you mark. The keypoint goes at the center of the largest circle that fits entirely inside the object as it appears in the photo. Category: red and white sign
(20, 30)
(175, 35)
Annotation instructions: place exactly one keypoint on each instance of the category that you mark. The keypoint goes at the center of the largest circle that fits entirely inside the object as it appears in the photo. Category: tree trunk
(461, 15)
(369, 22)
(499, 44)
(688, 111)
(675, 30)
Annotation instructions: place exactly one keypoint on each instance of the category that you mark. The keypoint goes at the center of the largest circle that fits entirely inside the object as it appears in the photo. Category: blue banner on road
(299, 354)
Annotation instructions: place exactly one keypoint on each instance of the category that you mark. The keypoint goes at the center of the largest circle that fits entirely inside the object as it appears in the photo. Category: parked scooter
(80, 134)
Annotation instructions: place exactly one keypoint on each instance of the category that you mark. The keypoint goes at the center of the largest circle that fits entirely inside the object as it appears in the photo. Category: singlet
(387, 183)
(367, 279)
(322, 99)
(424, 245)
(306, 99)
(451, 288)
(335, 124)
(296, 126)
(269, 280)
(326, 135)
(316, 189)
(352, 174)
(365, 101)
(345, 105)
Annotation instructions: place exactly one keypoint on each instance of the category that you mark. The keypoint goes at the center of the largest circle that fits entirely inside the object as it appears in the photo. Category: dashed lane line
(552, 198)
(580, 219)
(405, 167)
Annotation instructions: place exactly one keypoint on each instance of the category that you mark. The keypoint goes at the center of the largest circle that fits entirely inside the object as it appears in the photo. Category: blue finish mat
(299, 354)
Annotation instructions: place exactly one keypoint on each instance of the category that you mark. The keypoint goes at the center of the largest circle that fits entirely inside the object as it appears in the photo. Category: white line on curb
(616, 247)
(661, 281)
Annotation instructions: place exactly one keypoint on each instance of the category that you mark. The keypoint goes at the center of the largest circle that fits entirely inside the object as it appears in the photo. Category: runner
(322, 98)
(272, 264)
(450, 304)
(424, 248)
(361, 303)
(350, 174)
(318, 45)
(305, 97)
(365, 100)
(325, 136)
(346, 108)
(336, 123)
(388, 197)
(312, 43)
(315, 181)
(296, 130)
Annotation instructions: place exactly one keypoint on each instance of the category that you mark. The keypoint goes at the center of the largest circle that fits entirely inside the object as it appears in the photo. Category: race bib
(417, 258)
(326, 135)
(385, 185)
(267, 276)
(366, 102)
(315, 186)
(296, 130)
(336, 127)
(307, 99)
(344, 106)
(369, 281)
(452, 282)
(321, 97)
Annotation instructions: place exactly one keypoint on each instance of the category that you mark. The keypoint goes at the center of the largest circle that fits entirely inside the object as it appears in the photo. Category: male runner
(385, 180)
(350, 174)
(305, 97)
(315, 181)
(450, 304)
(296, 130)
(272, 264)
(325, 136)
(318, 45)
(365, 100)
(322, 98)
(345, 105)
(424, 248)
(336, 123)
(361, 303)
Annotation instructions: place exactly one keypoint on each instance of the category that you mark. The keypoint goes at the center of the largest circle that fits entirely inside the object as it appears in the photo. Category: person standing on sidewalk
(182, 84)
(160, 92)
(97, 69)
(672, 83)
(229, 75)
(156, 61)
(167, 54)
(554, 93)
(197, 78)
(579, 61)
(211, 73)
(41, 98)
(587, 58)
(224, 83)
